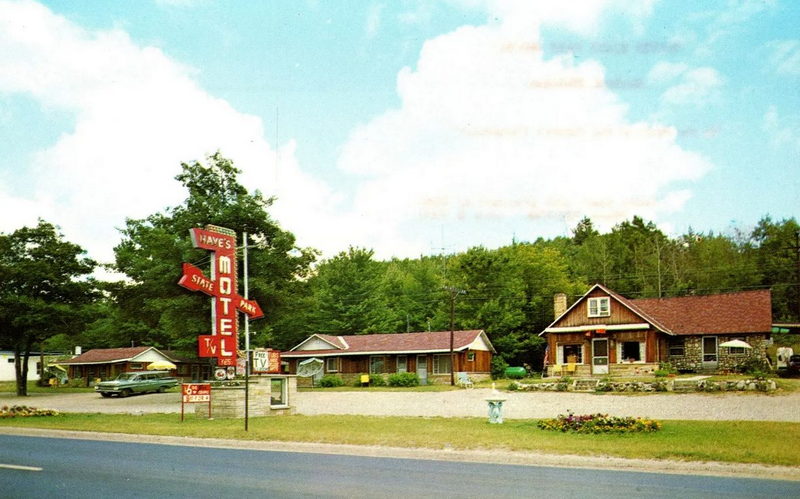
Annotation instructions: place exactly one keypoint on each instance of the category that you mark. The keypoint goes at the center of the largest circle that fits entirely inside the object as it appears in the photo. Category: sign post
(192, 393)
(223, 342)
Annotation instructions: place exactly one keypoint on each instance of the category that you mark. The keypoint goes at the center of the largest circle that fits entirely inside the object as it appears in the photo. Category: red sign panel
(222, 287)
(196, 392)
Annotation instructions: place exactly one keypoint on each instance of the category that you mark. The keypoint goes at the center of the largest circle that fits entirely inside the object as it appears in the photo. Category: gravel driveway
(463, 403)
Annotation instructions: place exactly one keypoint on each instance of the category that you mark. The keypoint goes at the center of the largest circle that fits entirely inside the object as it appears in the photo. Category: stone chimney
(559, 304)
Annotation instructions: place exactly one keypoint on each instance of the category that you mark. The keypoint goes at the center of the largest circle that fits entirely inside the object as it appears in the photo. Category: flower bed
(23, 411)
(661, 385)
(598, 423)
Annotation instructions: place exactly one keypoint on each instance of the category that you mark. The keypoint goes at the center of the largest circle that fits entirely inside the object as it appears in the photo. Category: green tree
(154, 310)
(44, 290)
(346, 295)
(777, 253)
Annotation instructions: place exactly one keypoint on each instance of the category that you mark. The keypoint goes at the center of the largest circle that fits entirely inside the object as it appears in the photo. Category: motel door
(422, 369)
(709, 352)
(600, 356)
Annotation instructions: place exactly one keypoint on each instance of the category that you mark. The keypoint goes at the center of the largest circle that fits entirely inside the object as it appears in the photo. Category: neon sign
(222, 287)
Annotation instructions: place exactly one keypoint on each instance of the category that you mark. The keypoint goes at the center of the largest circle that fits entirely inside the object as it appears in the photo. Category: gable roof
(741, 312)
(726, 313)
(398, 343)
(110, 355)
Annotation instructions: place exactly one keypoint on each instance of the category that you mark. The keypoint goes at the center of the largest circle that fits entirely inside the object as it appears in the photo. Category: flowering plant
(598, 423)
(21, 411)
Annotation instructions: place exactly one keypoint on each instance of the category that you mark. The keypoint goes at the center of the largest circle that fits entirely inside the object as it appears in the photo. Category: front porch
(624, 369)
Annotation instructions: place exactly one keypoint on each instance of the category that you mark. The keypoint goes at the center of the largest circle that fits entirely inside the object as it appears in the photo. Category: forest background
(49, 299)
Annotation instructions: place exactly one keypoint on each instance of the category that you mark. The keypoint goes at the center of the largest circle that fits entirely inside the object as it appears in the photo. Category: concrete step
(586, 385)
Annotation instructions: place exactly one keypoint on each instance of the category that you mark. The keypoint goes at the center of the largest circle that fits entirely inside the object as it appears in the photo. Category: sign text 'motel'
(225, 299)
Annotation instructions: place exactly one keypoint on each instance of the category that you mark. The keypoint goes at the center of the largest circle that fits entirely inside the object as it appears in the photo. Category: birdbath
(495, 400)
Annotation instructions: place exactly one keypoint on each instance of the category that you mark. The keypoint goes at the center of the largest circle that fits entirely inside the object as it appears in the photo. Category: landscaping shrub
(377, 380)
(331, 381)
(403, 379)
(23, 411)
(598, 423)
(499, 366)
(755, 366)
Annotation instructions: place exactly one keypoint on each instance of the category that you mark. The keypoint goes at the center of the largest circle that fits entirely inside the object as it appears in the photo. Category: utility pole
(453, 293)
(246, 344)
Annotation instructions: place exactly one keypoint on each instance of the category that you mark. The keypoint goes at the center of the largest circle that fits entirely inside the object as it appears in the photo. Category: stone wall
(692, 358)
(228, 398)
(665, 385)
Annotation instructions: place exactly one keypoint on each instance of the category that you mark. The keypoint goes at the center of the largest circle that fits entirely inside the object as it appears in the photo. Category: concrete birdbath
(495, 401)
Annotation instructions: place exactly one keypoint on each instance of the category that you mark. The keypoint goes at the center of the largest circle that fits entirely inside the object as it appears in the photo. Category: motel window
(278, 392)
(570, 354)
(11, 360)
(599, 307)
(402, 363)
(630, 351)
(737, 350)
(135, 366)
(470, 356)
(441, 364)
(332, 364)
(377, 364)
(677, 347)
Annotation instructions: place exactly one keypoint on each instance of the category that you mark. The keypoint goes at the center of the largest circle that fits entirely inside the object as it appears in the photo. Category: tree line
(49, 301)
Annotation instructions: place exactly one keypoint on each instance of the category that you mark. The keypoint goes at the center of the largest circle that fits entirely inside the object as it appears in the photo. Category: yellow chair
(556, 370)
(571, 368)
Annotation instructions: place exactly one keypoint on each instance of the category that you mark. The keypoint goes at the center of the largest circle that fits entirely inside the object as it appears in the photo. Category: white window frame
(561, 358)
(332, 365)
(737, 350)
(372, 359)
(642, 353)
(284, 390)
(470, 356)
(437, 369)
(598, 303)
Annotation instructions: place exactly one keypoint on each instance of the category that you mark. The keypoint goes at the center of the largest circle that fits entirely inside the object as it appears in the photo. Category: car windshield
(126, 376)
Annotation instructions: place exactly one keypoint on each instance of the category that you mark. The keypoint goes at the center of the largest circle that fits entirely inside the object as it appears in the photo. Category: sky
(407, 127)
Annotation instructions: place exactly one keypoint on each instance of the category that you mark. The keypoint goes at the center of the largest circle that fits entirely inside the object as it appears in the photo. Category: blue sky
(404, 126)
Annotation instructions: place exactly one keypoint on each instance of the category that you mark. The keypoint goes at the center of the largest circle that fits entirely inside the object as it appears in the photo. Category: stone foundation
(667, 385)
(228, 398)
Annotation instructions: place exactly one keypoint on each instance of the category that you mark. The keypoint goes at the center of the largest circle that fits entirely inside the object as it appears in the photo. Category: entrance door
(600, 356)
(422, 369)
(709, 352)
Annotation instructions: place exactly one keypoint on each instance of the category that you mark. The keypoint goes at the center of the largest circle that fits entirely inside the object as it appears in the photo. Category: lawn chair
(571, 368)
(555, 370)
(464, 380)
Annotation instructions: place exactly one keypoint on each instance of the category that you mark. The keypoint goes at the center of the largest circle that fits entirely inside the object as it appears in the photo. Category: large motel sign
(225, 300)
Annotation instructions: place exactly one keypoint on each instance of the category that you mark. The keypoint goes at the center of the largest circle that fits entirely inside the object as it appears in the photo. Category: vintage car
(129, 383)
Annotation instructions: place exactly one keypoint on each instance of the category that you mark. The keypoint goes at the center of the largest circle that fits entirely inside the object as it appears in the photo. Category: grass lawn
(726, 441)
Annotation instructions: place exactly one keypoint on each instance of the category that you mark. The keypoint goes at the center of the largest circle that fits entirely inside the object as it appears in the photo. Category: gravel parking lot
(464, 403)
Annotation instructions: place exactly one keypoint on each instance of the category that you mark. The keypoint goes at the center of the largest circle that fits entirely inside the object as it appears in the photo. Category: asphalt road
(65, 468)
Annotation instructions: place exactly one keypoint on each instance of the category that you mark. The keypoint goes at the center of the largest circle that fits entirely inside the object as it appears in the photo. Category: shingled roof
(106, 355)
(361, 344)
(742, 312)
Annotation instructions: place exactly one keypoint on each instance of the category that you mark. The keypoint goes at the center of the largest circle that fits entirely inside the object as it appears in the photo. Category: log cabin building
(426, 353)
(604, 333)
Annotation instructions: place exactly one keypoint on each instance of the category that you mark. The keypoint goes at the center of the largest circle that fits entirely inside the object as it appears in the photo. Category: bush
(23, 411)
(598, 423)
(755, 366)
(331, 381)
(499, 366)
(377, 380)
(403, 379)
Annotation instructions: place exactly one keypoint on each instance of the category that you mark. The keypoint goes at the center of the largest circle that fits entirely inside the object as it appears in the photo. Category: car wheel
(105, 395)
(125, 393)
(160, 389)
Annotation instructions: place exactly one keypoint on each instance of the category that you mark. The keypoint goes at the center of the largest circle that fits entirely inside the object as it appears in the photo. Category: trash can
(515, 372)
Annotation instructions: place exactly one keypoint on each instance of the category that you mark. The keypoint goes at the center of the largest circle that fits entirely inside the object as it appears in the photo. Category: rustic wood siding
(579, 316)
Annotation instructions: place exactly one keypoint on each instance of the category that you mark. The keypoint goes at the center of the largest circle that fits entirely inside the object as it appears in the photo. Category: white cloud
(780, 133)
(138, 114)
(490, 130)
(684, 85)
(785, 56)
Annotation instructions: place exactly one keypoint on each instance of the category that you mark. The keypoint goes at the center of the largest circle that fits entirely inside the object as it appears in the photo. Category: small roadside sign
(192, 393)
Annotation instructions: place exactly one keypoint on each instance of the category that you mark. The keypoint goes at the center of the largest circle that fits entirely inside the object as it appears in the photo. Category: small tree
(44, 287)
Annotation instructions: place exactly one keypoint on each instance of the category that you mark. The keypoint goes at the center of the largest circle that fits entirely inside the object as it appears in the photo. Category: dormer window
(600, 307)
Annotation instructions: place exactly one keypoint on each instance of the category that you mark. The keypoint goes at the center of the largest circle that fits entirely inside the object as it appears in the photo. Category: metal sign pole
(246, 346)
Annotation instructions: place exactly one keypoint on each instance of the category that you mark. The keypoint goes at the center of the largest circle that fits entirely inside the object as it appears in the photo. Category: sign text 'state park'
(225, 300)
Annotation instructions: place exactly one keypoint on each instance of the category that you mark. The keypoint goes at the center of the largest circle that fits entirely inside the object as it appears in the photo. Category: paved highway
(64, 468)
